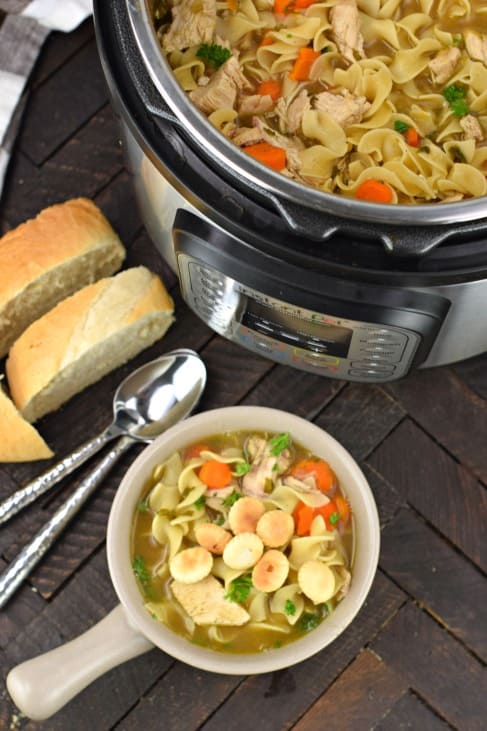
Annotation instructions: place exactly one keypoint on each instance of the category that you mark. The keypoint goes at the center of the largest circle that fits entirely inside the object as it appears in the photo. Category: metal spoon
(138, 404)
(162, 393)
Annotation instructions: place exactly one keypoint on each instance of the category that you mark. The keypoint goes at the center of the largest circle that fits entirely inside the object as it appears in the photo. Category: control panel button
(364, 374)
(374, 367)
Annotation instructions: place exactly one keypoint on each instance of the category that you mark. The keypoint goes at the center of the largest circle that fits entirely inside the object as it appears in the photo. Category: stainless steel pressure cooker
(342, 288)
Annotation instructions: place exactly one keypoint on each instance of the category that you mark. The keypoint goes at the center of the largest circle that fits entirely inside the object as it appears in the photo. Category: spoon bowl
(148, 401)
(158, 394)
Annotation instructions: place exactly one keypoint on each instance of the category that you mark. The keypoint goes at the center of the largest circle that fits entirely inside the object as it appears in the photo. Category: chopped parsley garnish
(143, 506)
(334, 518)
(213, 54)
(290, 608)
(242, 468)
(457, 40)
(200, 502)
(239, 589)
(220, 520)
(401, 127)
(279, 443)
(309, 621)
(232, 499)
(141, 571)
(455, 96)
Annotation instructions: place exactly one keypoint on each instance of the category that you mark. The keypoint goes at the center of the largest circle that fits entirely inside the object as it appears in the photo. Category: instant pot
(343, 288)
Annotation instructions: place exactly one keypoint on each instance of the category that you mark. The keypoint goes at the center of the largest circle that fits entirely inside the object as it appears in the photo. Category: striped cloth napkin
(24, 26)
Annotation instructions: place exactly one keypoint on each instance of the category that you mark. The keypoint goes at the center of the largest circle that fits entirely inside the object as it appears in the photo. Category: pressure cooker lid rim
(227, 155)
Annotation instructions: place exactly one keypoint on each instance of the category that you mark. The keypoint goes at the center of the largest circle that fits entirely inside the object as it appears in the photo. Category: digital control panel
(313, 341)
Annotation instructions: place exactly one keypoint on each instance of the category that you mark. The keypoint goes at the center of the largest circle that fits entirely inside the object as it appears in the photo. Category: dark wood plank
(86, 600)
(232, 373)
(80, 85)
(438, 487)
(473, 373)
(18, 615)
(282, 697)
(82, 167)
(360, 417)
(448, 410)
(436, 665)
(301, 393)
(446, 583)
(187, 695)
(411, 713)
(58, 49)
(388, 500)
(364, 692)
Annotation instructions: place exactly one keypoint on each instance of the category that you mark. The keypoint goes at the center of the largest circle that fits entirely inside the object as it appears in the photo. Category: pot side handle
(41, 686)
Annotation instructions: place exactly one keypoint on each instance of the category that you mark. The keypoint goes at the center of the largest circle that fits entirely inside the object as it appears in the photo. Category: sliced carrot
(303, 517)
(267, 40)
(374, 191)
(317, 468)
(302, 65)
(412, 137)
(343, 508)
(215, 474)
(327, 511)
(195, 450)
(282, 6)
(271, 88)
(232, 5)
(274, 157)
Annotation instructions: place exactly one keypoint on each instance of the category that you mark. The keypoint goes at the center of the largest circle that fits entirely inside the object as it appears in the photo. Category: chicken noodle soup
(381, 100)
(243, 543)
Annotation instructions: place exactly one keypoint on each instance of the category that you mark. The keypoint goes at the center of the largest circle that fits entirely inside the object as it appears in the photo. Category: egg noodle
(179, 508)
(388, 91)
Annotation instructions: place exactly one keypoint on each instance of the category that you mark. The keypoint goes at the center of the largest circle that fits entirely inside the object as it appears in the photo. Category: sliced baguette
(85, 337)
(19, 440)
(44, 260)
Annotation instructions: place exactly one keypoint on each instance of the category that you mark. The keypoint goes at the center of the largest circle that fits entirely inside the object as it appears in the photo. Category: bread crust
(47, 258)
(68, 338)
(20, 441)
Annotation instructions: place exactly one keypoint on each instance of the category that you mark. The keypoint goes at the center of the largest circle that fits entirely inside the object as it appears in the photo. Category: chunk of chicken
(476, 45)
(292, 145)
(295, 111)
(266, 467)
(221, 92)
(345, 108)
(205, 603)
(255, 104)
(442, 65)
(242, 136)
(345, 25)
(471, 127)
(193, 22)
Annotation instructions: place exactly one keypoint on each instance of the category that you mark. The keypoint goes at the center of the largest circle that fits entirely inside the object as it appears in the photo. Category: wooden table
(413, 658)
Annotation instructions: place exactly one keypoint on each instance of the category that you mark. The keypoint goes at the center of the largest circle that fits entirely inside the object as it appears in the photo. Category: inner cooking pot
(233, 163)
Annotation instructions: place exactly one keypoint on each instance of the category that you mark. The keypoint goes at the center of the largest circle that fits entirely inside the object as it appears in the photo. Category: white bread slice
(85, 337)
(19, 440)
(42, 261)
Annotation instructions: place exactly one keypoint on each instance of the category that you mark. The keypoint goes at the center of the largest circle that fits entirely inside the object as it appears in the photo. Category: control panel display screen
(310, 335)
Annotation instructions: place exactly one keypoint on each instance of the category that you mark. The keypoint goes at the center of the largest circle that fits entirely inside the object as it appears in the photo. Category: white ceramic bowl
(41, 686)
(195, 429)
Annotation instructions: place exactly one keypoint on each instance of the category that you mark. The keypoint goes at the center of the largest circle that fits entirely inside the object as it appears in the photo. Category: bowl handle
(41, 686)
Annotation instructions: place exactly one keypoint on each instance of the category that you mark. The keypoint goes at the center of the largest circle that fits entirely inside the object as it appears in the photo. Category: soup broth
(243, 542)
(380, 100)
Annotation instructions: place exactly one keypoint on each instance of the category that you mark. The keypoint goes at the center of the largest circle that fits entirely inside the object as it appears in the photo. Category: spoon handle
(30, 492)
(32, 553)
